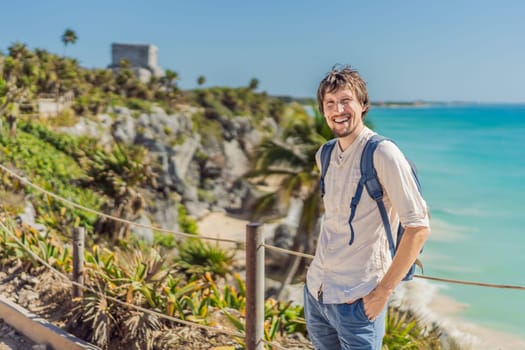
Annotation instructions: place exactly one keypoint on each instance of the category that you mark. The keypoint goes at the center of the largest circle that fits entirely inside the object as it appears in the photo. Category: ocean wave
(444, 231)
(465, 211)
(424, 299)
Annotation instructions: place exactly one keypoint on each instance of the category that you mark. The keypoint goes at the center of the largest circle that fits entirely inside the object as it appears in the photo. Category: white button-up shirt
(348, 272)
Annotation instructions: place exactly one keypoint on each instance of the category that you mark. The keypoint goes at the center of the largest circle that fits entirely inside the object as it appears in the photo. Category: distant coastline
(309, 101)
(394, 104)
(417, 104)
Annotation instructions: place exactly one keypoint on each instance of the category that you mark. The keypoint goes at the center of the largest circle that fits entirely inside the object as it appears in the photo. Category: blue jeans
(342, 326)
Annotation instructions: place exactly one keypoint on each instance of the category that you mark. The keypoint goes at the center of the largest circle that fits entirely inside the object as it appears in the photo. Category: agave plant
(142, 275)
(232, 297)
(138, 330)
(403, 331)
(176, 292)
(120, 173)
(97, 312)
(197, 257)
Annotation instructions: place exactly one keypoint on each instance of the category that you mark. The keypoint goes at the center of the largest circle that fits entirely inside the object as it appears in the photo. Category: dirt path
(220, 225)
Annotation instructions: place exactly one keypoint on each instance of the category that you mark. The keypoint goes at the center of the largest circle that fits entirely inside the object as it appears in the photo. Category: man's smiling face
(343, 113)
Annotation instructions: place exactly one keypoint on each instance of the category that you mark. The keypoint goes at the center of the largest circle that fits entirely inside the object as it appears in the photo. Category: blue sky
(406, 50)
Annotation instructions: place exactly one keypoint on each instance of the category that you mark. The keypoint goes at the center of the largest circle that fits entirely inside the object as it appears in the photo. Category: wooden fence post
(254, 287)
(78, 260)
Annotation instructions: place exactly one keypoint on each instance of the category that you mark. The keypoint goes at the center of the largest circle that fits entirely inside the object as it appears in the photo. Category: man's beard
(345, 131)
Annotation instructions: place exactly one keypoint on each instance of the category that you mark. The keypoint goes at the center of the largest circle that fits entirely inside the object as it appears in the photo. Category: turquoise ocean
(471, 162)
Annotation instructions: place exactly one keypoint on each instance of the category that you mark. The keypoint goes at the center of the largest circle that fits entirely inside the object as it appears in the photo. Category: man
(351, 278)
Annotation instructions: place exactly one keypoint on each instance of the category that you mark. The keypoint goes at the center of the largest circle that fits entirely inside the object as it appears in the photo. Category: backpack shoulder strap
(373, 186)
(326, 152)
(368, 171)
(368, 179)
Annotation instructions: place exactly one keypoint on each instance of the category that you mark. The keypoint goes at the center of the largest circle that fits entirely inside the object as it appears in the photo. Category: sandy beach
(220, 225)
(423, 296)
(424, 300)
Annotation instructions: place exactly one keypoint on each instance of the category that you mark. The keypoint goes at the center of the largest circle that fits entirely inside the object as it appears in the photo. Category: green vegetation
(187, 287)
(188, 279)
(225, 101)
(404, 332)
(53, 171)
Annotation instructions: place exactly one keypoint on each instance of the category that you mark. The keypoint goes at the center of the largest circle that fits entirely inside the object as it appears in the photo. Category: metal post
(254, 287)
(78, 260)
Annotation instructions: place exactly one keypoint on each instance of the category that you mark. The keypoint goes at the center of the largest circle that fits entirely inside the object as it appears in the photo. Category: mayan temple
(142, 58)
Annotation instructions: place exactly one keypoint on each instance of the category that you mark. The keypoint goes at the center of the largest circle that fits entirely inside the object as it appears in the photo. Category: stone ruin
(142, 59)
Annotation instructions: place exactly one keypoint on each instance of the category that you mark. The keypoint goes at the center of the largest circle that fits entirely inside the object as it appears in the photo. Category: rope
(291, 252)
(92, 211)
(270, 247)
(438, 279)
(101, 295)
(480, 284)
(448, 280)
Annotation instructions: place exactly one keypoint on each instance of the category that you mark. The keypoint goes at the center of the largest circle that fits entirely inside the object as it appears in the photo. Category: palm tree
(13, 112)
(69, 37)
(125, 78)
(18, 50)
(291, 157)
(19, 71)
(169, 82)
(170, 79)
(201, 80)
(254, 84)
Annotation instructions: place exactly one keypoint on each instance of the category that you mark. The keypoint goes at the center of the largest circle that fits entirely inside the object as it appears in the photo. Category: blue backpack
(370, 180)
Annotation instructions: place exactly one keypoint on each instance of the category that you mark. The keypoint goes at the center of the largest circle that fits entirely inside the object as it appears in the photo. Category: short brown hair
(343, 77)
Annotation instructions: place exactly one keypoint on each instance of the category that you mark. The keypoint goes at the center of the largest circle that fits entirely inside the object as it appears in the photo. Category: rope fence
(437, 279)
(136, 307)
(92, 211)
(254, 246)
(469, 283)
(237, 242)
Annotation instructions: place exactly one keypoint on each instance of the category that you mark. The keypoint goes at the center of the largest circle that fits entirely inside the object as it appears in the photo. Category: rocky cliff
(199, 161)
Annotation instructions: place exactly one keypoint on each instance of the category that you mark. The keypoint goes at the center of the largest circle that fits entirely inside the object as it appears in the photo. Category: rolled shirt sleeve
(395, 175)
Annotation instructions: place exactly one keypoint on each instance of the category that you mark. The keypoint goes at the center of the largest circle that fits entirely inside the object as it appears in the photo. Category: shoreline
(424, 299)
(420, 296)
